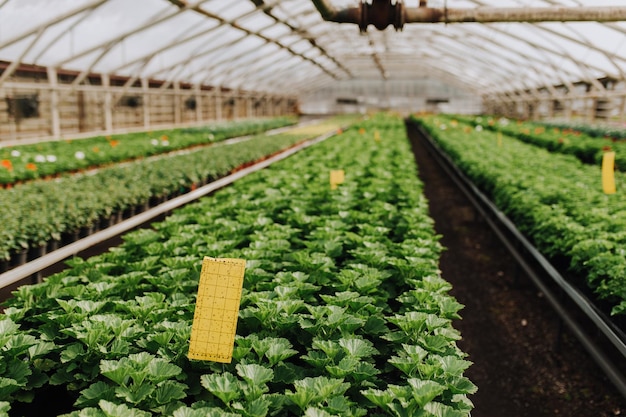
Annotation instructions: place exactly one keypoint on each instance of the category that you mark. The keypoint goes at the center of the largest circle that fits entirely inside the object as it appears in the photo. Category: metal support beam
(197, 94)
(108, 103)
(516, 14)
(177, 103)
(382, 13)
(330, 13)
(145, 88)
(218, 104)
(51, 22)
(54, 102)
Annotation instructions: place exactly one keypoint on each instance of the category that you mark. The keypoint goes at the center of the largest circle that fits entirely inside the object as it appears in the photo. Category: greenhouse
(312, 208)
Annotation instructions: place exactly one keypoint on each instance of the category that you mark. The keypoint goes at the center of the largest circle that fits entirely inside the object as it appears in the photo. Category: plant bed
(50, 159)
(587, 148)
(526, 363)
(343, 310)
(37, 212)
(555, 200)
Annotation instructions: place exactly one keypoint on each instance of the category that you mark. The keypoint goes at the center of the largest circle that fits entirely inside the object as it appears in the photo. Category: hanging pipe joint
(382, 13)
(379, 13)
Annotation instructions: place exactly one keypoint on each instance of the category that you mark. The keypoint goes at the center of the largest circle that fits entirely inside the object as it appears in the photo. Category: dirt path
(521, 366)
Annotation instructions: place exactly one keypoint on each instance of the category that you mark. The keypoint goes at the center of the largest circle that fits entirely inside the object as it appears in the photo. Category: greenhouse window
(23, 106)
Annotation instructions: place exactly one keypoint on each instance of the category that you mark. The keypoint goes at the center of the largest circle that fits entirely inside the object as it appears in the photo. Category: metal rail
(538, 268)
(382, 13)
(33, 268)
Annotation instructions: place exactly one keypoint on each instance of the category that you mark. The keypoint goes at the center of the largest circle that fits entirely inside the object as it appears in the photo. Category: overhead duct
(382, 13)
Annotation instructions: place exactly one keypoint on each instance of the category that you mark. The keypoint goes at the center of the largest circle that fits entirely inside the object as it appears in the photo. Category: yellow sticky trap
(217, 308)
(608, 173)
(336, 177)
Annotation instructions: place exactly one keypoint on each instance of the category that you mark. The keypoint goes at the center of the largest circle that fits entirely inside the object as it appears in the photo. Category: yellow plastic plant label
(377, 136)
(499, 139)
(336, 177)
(608, 173)
(217, 308)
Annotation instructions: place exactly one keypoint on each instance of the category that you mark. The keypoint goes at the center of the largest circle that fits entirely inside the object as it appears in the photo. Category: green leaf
(19, 371)
(407, 365)
(317, 412)
(255, 408)
(7, 326)
(97, 391)
(279, 351)
(324, 387)
(40, 349)
(203, 412)
(441, 410)
(135, 394)
(86, 412)
(454, 366)
(331, 348)
(344, 368)
(160, 370)
(302, 398)
(168, 391)
(72, 352)
(114, 410)
(338, 405)
(358, 348)
(462, 385)
(425, 391)
(224, 387)
(8, 386)
(255, 374)
(116, 371)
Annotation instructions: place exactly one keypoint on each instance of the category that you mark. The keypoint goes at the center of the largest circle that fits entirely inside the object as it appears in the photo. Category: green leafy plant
(342, 288)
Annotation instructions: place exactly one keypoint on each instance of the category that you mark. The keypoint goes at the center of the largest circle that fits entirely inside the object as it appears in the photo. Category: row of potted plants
(39, 213)
(44, 159)
(555, 199)
(343, 310)
(587, 148)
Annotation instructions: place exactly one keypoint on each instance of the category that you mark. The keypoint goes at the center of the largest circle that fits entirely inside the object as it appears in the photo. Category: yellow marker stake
(608, 173)
(217, 307)
(499, 139)
(336, 177)
(377, 136)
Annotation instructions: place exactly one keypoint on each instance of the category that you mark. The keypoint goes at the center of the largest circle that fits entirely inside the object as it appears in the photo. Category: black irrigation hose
(542, 273)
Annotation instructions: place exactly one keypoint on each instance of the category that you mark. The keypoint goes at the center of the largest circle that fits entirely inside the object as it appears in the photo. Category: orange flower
(31, 167)
(164, 138)
(7, 164)
(96, 149)
(114, 143)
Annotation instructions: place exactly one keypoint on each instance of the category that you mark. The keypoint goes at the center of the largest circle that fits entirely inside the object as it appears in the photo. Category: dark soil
(522, 367)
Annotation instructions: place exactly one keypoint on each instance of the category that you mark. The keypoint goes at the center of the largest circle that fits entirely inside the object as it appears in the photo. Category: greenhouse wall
(407, 96)
(36, 104)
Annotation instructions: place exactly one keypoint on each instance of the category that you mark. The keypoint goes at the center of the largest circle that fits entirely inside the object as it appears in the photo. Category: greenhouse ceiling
(287, 45)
